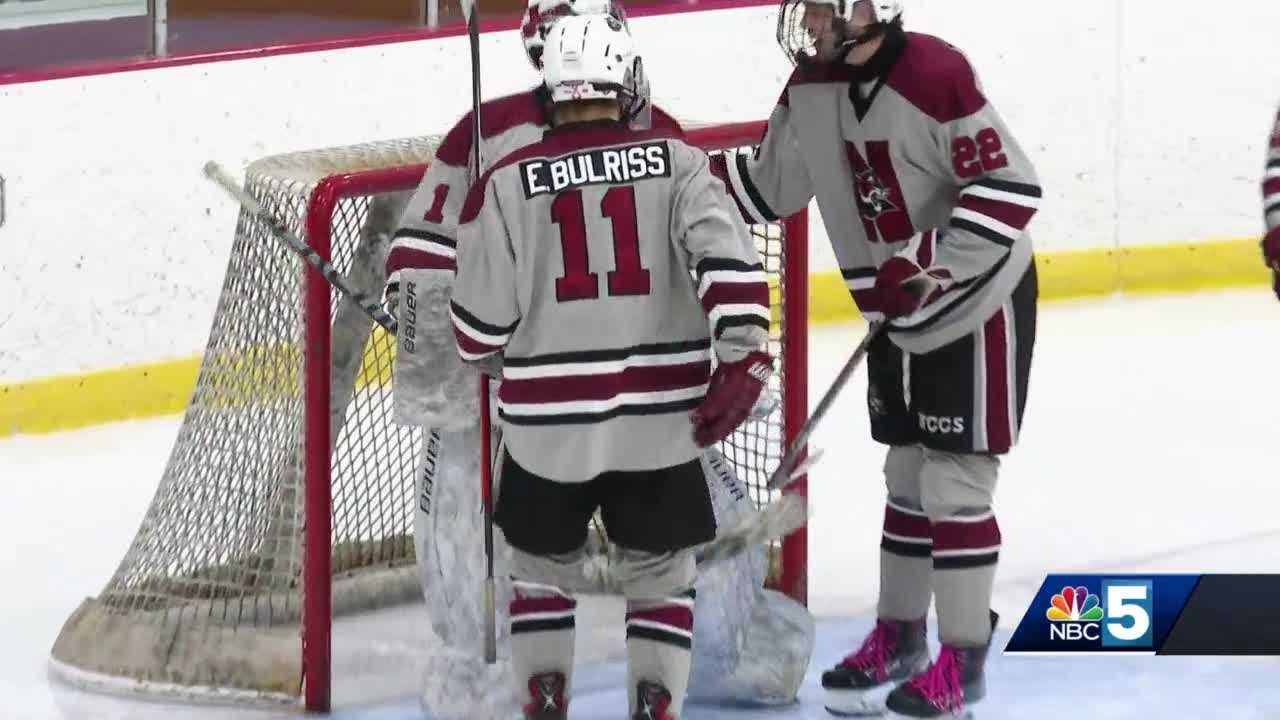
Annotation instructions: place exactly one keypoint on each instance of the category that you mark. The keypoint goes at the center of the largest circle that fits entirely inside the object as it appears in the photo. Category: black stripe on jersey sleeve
(1273, 207)
(752, 193)
(477, 324)
(1273, 164)
(580, 356)
(857, 273)
(982, 231)
(710, 264)
(589, 417)
(425, 235)
(1010, 187)
(732, 321)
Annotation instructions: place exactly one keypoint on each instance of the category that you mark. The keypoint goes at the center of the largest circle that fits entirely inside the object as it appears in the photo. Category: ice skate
(894, 651)
(948, 689)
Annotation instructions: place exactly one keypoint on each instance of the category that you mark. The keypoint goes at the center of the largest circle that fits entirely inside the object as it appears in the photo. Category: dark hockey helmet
(825, 30)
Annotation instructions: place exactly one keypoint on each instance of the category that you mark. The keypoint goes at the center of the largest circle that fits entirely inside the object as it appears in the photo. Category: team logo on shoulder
(874, 198)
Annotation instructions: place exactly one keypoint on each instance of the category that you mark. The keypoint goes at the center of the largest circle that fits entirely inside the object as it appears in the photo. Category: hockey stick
(786, 470)
(486, 494)
(471, 9)
(219, 175)
(775, 521)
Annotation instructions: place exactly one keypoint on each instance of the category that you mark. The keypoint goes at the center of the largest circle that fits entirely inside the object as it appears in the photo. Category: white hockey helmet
(592, 57)
(540, 15)
(796, 35)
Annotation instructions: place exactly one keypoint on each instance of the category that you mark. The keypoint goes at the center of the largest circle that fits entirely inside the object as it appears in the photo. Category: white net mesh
(208, 599)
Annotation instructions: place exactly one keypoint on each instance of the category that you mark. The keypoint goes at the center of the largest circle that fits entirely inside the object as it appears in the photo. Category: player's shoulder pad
(937, 78)
(813, 73)
(662, 120)
(496, 117)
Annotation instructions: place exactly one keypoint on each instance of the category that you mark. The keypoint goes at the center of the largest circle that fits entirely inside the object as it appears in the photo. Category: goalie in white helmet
(575, 265)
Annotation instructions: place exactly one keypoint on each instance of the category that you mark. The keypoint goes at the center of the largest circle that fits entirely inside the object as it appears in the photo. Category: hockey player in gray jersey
(1271, 206)
(753, 644)
(926, 197)
(604, 267)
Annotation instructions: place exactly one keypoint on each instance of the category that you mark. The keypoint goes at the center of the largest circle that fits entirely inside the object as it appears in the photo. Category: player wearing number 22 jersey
(926, 198)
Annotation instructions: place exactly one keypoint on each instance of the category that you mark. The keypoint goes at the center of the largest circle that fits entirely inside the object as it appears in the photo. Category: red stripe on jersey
(906, 525)
(496, 117)
(720, 168)
(529, 605)
(673, 616)
(953, 535)
(867, 300)
(936, 78)
(1275, 133)
(999, 435)
(472, 346)
(1015, 216)
(1271, 187)
(924, 256)
(403, 258)
(724, 293)
(568, 388)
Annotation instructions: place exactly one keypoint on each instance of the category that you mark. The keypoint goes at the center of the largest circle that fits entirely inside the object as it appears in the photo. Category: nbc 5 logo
(1121, 617)
(1128, 606)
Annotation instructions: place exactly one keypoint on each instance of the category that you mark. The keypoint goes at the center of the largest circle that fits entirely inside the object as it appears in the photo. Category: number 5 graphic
(1128, 607)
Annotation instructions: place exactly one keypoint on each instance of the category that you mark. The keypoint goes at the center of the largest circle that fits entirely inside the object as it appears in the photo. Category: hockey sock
(966, 547)
(542, 624)
(905, 561)
(659, 640)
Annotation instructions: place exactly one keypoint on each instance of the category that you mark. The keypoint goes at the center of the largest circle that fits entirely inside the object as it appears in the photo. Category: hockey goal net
(288, 497)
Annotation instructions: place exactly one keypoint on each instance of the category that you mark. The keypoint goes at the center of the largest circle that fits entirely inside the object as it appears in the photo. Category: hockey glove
(1271, 251)
(391, 300)
(903, 286)
(733, 391)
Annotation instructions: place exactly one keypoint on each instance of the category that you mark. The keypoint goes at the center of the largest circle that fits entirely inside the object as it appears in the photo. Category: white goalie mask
(592, 57)
(825, 30)
(540, 15)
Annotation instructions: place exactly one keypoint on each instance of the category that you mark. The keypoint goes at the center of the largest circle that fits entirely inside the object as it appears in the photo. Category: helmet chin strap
(847, 43)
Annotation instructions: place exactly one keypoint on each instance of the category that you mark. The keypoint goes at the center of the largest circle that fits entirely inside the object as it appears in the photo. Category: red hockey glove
(733, 391)
(1271, 251)
(903, 287)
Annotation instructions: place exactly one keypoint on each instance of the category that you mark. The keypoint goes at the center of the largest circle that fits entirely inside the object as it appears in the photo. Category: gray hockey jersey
(426, 236)
(919, 149)
(1271, 180)
(605, 264)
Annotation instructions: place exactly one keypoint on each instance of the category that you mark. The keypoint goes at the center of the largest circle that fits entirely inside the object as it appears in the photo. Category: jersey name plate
(595, 167)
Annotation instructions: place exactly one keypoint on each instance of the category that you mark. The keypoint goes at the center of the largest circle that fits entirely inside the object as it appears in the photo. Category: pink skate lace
(876, 651)
(940, 684)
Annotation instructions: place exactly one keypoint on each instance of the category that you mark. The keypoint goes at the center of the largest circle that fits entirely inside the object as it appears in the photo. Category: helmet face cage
(633, 98)
(799, 44)
(540, 15)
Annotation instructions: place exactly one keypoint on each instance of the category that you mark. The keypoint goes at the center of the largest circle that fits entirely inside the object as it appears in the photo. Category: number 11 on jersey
(629, 277)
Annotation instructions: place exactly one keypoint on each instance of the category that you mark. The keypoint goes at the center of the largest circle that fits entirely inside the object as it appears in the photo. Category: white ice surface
(1149, 446)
